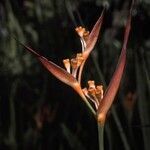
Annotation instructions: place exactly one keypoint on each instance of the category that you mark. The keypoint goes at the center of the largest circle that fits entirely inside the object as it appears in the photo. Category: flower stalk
(100, 136)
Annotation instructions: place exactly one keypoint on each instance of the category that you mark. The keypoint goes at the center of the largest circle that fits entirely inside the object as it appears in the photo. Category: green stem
(101, 136)
(86, 102)
(90, 107)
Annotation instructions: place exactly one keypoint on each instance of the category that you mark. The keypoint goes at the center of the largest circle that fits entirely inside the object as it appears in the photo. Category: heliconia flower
(57, 71)
(94, 93)
(74, 67)
(62, 74)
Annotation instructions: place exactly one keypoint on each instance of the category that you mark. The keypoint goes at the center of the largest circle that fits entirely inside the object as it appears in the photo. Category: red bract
(58, 72)
(112, 89)
(93, 36)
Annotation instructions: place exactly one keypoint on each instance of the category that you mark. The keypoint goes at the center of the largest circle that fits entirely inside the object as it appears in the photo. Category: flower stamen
(86, 93)
(84, 34)
(74, 65)
(99, 92)
(91, 84)
(80, 59)
(94, 93)
(80, 30)
(67, 64)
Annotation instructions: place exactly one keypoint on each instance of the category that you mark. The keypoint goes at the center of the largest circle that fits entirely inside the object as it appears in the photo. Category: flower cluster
(94, 93)
(72, 73)
(74, 64)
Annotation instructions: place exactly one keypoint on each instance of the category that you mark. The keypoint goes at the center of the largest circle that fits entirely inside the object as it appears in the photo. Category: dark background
(37, 111)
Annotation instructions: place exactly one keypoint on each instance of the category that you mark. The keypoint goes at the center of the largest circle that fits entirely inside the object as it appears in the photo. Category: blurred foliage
(39, 112)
